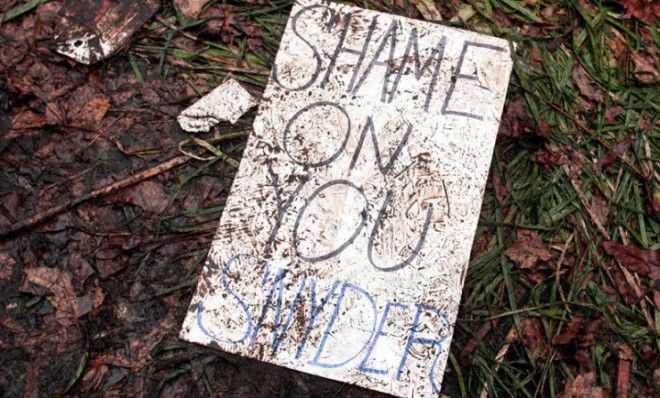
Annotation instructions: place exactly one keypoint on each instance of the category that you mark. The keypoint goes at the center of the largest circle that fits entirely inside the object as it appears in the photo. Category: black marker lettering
(316, 55)
(287, 132)
(382, 214)
(390, 37)
(349, 241)
(341, 49)
(436, 56)
(384, 168)
(460, 75)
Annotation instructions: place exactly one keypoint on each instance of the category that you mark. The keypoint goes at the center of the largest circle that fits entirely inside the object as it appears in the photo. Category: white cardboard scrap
(344, 244)
(227, 102)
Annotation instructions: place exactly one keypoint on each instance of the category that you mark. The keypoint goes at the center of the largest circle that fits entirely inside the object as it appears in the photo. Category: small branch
(108, 189)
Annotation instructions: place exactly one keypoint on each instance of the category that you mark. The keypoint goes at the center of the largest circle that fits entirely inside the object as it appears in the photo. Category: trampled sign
(344, 244)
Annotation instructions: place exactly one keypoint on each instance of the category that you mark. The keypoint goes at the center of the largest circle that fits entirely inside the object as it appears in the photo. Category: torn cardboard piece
(343, 247)
(93, 30)
(227, 102)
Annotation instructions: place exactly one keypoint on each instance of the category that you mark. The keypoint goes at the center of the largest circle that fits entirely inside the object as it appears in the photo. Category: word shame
(343, 247)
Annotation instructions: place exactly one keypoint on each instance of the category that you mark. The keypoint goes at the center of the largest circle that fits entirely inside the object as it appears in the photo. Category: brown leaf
(552, 156)
(585, 84)
(28, 120)
(501, 187)
(59, 283)
(472, 345)
(646, 11)
(190, 8)
(149, 196)
(94, 110)
(90, 301)
(544, 129)
(6, 266)
(645, 66)
(137, 353)
(617, 44)
(570, 332)
(616, 153)
(529, 250)
(533, 337)
(584, 386)
(514, 120)
(635, 259)
(612, 113)
(600, 209)
(626, 292)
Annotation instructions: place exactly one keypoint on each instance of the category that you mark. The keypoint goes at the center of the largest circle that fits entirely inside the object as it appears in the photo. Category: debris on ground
(92, 30)
(226, 103)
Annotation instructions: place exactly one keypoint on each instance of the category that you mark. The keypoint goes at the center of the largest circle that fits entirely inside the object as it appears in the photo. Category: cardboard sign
(344, 244)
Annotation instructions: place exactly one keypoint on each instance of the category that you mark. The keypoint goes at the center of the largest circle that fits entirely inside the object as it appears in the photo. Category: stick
(510, 338)
(108, 189)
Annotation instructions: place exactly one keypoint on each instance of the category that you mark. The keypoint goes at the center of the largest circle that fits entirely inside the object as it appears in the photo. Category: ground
(561, 296)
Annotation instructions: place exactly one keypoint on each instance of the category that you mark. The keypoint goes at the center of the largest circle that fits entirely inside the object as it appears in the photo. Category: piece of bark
(93, 30)
(227, 102)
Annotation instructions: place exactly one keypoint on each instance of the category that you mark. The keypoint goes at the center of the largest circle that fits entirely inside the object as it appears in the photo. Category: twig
(108, 189)
(558, 272)
(585, 203)
(510, 338)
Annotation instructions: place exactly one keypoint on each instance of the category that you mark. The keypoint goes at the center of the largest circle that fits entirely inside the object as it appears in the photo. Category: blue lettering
(319, 352)
(413, 339)
(379, 333)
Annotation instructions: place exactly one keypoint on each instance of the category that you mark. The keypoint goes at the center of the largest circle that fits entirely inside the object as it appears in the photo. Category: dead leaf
(534, 337)
(584, 386)
(635, 259)
(570, 332)
(190, 8)
(600, 209)
(645, 66)
(94, 110)
(472, 345)
(90, 301)
(501, 187)
(149, 196)
(585, 83)
(612, 113)
(616, 153)
(544, 129)
(529, 250)
(59, 283)
(617, 43)
(626, 292)
(28, 120)
(6, 266)
(646, 11)
(515, 120)
(137, 353)
(552, 156)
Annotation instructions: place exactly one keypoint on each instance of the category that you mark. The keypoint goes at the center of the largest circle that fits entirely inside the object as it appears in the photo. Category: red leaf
(635, 259)
(612, 113)
(646, 11)
(585, 84)
(584, 386)
(616, 153)
(533, 337)
(59, 283)
(570, 333)
(529, 250)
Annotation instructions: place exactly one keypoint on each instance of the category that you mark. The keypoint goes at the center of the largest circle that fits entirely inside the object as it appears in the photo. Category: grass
(552, 37)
